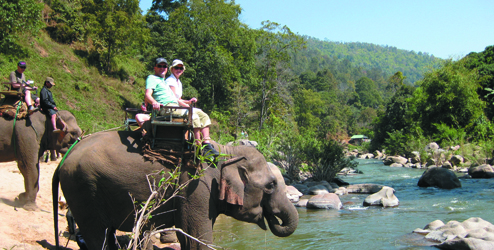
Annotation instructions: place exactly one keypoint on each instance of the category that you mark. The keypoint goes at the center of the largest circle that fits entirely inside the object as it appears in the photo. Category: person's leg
(27, 98)
(141, 118)
(54, 121)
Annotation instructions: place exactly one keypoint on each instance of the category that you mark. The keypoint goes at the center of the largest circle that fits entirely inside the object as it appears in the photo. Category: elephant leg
(96, 235)
(195, 218)
(30, 171)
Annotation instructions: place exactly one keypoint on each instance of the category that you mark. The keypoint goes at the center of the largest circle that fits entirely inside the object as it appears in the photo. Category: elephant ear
(231, 184)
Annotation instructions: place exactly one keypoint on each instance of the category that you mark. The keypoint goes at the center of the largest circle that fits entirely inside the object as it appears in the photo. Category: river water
(359, 227)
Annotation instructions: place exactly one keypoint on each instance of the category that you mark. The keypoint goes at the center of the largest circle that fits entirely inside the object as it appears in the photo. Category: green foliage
(110, 24)
(448, 95)
(368, 95)
(326, 158)
(18, 20)
(388, 59)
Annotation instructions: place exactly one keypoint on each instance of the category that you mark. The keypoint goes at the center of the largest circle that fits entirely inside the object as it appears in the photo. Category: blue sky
(443, 28)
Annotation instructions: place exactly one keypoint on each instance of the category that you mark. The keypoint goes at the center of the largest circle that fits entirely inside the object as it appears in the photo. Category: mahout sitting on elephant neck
(27, 142)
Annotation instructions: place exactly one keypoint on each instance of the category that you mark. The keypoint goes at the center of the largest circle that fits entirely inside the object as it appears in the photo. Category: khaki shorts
(199, 118)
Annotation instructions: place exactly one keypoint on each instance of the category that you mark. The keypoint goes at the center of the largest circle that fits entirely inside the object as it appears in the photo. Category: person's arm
(13, 80)
(148, 97)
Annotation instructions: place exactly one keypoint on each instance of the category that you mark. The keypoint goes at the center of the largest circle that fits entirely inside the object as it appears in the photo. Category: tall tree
(448, 96)
(275, 44)
(110, 24)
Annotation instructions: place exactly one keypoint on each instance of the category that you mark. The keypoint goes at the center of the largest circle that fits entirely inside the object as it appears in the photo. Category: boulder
(302, 203)
(385, 198)
(366, 156)
(378, 154)
(474, 234)
(340, 182)
(301, 188)
(396, 165)
(293, 194)
(482, 171)
(395, 159)
(364, 188)
(415, 157)
(431, 147)
(325, 201)
(447, 165)
(440, 178)
(341, 191)
(456, 160)
(318, 189)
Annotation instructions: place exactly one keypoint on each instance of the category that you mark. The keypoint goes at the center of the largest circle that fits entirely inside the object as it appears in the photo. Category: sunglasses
(180, 68)
(161, 66)
(22, 67)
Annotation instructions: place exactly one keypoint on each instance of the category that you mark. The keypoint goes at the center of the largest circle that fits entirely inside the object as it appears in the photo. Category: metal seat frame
(169, 127)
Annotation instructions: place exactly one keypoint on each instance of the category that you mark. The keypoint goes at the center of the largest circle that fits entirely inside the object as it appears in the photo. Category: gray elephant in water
(27, 142)
(103, 169)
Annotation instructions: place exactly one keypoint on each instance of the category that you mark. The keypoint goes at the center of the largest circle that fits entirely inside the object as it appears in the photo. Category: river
(359, 227)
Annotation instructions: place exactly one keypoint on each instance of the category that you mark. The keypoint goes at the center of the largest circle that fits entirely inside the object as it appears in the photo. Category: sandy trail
(21, 229)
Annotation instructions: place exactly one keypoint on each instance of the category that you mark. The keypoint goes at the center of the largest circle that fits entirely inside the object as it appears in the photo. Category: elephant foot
(24, 202)
(31, 206)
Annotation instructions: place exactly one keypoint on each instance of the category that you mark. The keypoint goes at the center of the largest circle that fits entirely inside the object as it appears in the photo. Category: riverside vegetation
(298, 97)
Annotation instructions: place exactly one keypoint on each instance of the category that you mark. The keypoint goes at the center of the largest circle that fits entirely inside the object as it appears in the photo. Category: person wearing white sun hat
(200, 118)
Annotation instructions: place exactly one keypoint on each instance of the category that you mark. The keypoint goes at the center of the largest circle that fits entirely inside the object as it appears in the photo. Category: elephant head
(254, 192)
(70, 132)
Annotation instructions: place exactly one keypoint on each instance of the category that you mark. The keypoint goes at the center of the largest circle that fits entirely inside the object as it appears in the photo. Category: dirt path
(21, 229)
(30, 230)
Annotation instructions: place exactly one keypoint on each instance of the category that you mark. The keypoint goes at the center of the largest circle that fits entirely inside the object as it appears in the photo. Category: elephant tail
(54, 189)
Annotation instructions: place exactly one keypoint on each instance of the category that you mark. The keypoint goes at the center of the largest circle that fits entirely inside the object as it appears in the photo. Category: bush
(326, 159)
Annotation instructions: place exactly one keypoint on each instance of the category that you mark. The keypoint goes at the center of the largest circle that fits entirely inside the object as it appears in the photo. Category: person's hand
(193, 100)
(55, 108)
(156, 105)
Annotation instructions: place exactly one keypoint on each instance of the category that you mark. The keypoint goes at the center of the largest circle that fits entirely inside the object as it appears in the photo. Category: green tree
(110, 24)
(275, 43)
(367, 92)
(448, 96)
(217, 48)
(309, 109)
(18, 19)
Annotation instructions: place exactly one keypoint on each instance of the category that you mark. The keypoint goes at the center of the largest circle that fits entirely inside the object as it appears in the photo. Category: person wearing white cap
(200, 118)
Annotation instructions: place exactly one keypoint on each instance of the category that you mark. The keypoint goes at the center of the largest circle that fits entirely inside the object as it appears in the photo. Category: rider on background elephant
(96, 180)
(27, 142)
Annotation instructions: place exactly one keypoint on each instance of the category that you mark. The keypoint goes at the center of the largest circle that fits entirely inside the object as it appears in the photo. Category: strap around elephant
(68, 151)
(13, 129)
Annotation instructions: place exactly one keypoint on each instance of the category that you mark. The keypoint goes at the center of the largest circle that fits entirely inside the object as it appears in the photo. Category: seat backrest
(170, 125)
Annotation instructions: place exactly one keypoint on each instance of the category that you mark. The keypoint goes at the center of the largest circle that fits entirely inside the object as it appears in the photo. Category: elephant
(103, 169)
(27, 142)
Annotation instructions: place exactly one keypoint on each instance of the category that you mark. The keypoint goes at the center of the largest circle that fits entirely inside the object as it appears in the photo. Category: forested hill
(389, 59)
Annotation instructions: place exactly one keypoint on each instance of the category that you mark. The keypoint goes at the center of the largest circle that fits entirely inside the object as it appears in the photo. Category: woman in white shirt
(201, 128)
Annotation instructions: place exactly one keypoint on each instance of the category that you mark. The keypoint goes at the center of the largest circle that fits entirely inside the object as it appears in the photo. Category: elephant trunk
(288, 216)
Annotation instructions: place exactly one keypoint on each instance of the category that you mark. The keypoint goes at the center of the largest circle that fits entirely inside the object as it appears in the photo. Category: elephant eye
(269, 188)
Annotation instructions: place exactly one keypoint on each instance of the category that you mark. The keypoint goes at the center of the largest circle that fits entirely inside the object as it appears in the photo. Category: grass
(97, 101)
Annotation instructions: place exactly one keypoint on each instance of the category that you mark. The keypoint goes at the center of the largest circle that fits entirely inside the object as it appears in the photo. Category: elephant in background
(103, 169)
(27, 142)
